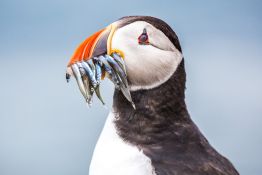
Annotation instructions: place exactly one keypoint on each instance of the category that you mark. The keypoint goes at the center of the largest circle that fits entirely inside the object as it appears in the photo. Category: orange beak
(97, 44)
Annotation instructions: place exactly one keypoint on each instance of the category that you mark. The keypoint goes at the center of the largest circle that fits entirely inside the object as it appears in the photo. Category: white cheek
(152, 70)
(147, 66)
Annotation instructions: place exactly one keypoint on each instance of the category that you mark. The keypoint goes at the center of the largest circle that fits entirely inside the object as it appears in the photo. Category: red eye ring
(143, 38)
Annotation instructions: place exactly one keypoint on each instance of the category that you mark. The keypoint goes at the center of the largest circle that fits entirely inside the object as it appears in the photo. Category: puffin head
(151, 50)
(149, 47)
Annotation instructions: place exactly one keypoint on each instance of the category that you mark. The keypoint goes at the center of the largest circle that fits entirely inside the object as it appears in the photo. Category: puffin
(149, 130)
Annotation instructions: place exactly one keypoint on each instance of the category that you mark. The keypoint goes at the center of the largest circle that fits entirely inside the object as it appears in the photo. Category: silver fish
(120, 61)
(98, 73)
(110, 72)
(122, 76)
(86, 83)
(92, 66)
(87, 87)
(117, 69)
(78, 78)
(89, 73)
(126, 93)
(98, 79)
(97, 90)
(128, 97)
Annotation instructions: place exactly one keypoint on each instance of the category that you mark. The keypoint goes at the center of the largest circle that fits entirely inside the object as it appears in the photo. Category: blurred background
(45, 126)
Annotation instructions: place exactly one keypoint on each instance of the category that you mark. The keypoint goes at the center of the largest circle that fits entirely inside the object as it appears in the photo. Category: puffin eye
(143, 38)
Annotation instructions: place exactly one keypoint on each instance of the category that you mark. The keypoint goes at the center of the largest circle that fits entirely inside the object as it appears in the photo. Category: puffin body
(155, 135)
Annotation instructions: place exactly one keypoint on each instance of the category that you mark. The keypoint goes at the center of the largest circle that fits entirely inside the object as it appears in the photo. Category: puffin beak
(93, 60)
(97, 44)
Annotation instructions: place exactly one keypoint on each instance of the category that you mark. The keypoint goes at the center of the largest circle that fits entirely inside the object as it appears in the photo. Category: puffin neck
(157, 108)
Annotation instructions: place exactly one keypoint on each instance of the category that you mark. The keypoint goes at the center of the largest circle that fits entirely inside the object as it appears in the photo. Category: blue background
(45, 126)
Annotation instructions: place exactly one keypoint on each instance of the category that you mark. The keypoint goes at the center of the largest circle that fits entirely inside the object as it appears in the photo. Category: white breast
(113, 156)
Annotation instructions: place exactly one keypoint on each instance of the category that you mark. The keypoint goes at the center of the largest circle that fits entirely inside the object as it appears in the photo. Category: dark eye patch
(143, 38)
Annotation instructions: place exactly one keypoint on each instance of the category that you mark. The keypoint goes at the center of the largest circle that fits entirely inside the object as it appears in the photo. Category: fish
(127, 94)
(97, 90)
(98, 76)
(86, 83)
(117, 69)
(91, 64)
(78, 78)
(98, 73)
(120, 61)
(87, 88)
(110, 72)
(123, 78)
(88, 75)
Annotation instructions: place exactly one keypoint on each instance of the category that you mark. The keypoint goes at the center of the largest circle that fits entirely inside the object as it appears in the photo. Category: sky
(47, 129)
